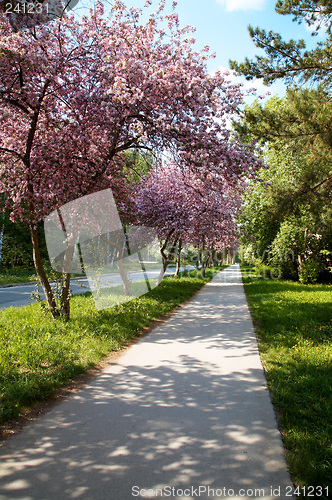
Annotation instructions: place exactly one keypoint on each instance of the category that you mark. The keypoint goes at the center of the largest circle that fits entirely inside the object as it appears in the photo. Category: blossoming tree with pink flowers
(75, 96)
(189, 208)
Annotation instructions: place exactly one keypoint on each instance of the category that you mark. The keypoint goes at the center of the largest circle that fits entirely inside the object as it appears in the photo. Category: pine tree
(291, 61)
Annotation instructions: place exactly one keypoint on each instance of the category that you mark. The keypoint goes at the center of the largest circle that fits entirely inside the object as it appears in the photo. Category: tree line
(287, 216)
(79, 97)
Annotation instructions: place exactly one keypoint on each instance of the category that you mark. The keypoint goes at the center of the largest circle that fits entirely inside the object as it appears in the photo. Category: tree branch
(11, 151)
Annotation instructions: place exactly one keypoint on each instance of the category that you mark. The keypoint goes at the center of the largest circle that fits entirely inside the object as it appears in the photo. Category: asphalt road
(20, 295)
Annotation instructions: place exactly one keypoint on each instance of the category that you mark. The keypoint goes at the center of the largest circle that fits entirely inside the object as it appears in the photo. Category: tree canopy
(292, 205)
(76, 96)
(291, 60)
(298, 124)
(287, 217)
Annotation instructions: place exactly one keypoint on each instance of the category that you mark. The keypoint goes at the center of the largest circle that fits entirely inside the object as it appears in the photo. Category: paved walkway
(185, 411)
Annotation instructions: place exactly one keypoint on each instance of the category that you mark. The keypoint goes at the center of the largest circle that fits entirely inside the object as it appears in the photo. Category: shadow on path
(185, 407)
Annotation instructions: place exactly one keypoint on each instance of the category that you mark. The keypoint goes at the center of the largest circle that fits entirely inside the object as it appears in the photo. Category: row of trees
(188, 208)
(287, 218)
(76, 97)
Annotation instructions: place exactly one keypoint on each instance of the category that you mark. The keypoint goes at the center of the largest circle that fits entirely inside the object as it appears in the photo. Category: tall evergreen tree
(290, 60)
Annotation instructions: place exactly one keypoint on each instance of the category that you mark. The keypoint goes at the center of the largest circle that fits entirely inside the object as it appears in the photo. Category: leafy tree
(75, 96)
(139, 164)
(284, 213)
(290, 60)
(304, 117)
(287, 246)
(17, 247)
(188, 208)
(313, 12)
(298, 125)
(295, 131)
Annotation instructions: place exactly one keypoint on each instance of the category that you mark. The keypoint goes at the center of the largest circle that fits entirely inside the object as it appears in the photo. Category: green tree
(138, 165)
(17, 245)
(287, 246)
(296, 135)
(290, 60)
(295, 131)
(287, 216)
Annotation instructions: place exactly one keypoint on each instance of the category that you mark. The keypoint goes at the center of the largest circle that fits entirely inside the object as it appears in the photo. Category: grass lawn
(17, 276)
(38, 354)
(294, 327)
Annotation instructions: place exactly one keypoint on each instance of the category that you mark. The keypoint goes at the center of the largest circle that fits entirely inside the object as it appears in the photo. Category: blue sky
(222, 24)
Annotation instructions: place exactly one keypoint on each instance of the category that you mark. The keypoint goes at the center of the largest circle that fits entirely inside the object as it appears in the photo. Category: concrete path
(184, 413)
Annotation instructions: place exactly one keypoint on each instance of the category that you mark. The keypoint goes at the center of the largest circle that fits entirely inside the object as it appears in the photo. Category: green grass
(16, 275)
(294, 325)
(38, 355)
(19, 275)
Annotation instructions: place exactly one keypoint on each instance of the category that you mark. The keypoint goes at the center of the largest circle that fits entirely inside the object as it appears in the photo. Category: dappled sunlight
(186, 405)
(151, 426)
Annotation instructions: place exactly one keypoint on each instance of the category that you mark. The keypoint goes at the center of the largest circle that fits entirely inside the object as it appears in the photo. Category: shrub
(286, 247)
(271, 270)
(247, 256)
(310, 271)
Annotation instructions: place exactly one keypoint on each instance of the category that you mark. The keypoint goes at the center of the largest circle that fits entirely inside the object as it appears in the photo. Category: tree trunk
(65, 296)
(197, 259)
(80, 258)
(166, 258)
(302, 255)
(2, 230)
(212, 257)
(178, 260)
(65, 281)
(203, 261)
(42, 274)
(123, 274)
